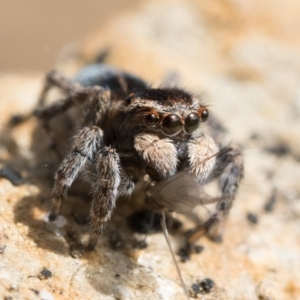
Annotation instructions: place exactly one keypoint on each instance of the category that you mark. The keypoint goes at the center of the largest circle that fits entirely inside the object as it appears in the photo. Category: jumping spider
(131, 130)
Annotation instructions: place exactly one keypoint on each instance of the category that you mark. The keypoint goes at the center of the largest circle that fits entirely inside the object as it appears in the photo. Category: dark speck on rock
(216, 239)
(187, 250)
(198, 248)
(2, 249)
(206, 285)
(202, 287)
(140, 244)
(252, 218)
(269, 206)
(35, 291)
(184, 253)
(196, 288)
(279, 149)
(45, 274)
(14, 177)
(254, 136)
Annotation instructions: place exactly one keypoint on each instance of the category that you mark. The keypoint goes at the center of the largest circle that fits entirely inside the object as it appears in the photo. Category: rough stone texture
(245, 56)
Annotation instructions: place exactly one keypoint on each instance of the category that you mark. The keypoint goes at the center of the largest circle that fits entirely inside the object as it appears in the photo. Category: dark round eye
(151, 120)
(171, 124)
(204, 115)
(191, 122)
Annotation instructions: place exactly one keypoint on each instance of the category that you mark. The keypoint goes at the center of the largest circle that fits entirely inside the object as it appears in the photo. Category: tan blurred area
(32, 32)
(241, 57)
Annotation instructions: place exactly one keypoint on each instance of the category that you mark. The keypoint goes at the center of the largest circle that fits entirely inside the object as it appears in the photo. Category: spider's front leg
(88, 141)
(105, 192)
(228, 166)
(158, 154)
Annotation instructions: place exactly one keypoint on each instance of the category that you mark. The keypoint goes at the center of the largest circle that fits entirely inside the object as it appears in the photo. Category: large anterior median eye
(151, 120)
(191, 122)
(171, 124)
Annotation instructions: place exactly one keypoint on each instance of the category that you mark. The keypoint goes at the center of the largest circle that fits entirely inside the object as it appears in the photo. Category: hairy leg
(105, 193)
(75, 94)
(127, 182)
(88, 141)
(55, 79)
(229, 168)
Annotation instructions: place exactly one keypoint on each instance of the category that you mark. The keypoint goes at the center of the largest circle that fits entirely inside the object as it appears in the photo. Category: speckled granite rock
(245, 56)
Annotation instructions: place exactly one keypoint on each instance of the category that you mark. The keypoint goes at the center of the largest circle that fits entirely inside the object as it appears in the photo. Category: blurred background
(32, 32)
(242, 57)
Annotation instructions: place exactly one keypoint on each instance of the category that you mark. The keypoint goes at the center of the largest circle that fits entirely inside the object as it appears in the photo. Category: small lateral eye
(129, 99)
(204, 115)
(191, 122)
(151, 120)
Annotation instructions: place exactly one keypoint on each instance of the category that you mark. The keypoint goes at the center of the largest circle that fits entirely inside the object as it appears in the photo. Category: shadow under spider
(39, 169)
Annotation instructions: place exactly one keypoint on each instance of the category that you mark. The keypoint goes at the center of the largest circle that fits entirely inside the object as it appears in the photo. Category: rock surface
(245, 56)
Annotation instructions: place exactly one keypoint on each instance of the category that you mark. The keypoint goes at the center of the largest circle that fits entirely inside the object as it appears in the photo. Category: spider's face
(173, 113)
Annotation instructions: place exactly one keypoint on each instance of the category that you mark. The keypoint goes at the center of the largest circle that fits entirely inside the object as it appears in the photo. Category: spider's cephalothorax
(169, 113)
(130, 130)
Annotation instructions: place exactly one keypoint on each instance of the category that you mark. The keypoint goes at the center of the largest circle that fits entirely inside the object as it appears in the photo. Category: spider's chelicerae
(131, 131)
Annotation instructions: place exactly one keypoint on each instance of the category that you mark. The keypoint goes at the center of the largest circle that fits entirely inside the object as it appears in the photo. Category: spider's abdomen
(119, 82)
